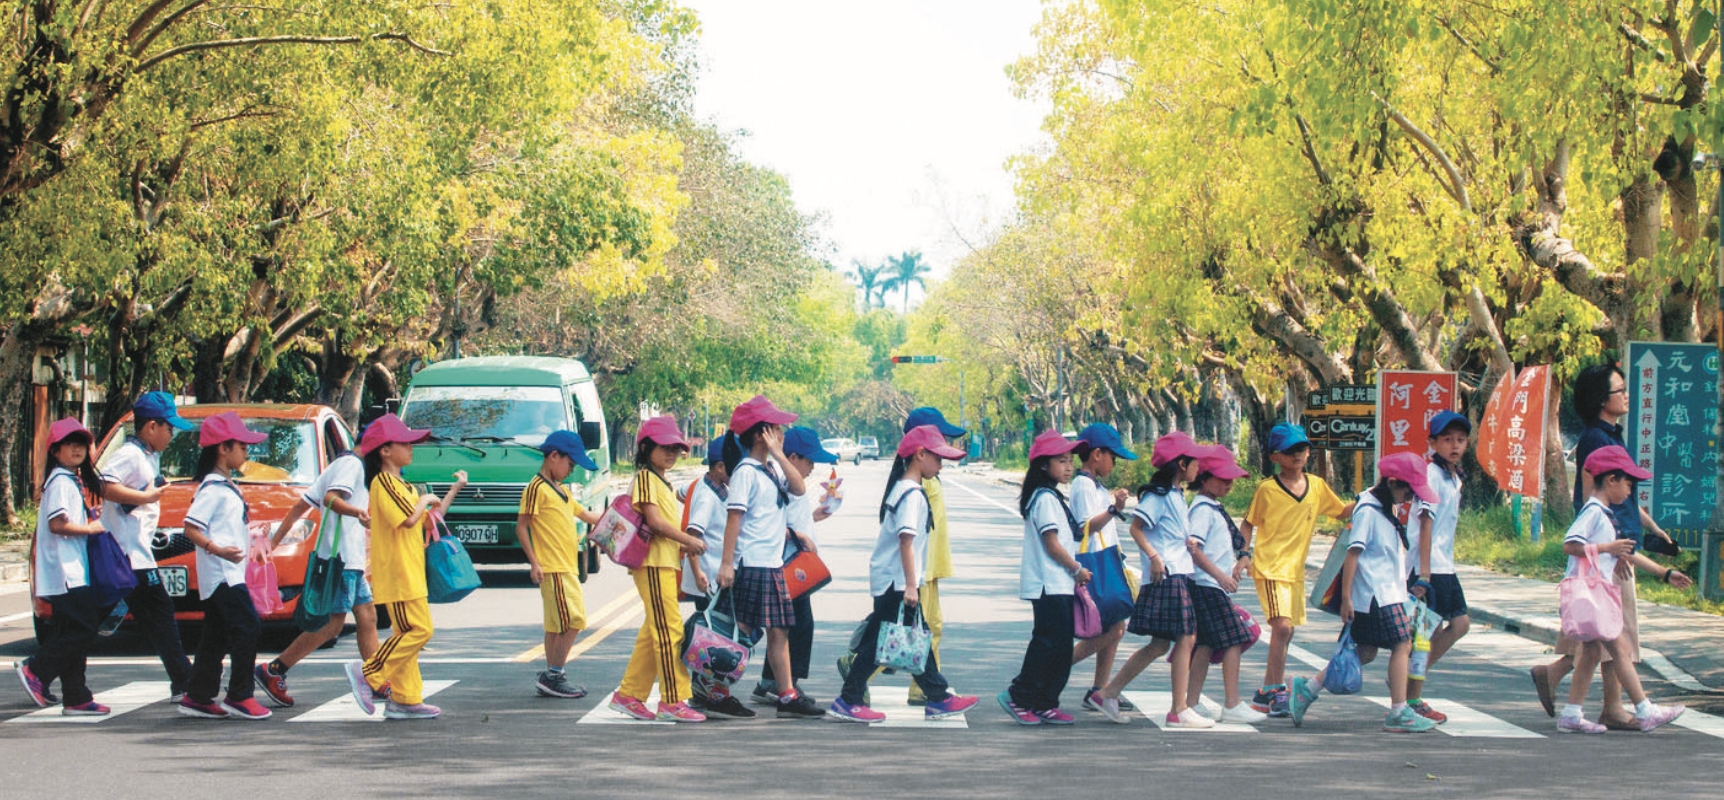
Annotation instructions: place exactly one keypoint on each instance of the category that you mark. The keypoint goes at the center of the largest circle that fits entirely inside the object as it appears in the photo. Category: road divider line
(616, 623)
(620, 602)
(985, 498)
(15, 617)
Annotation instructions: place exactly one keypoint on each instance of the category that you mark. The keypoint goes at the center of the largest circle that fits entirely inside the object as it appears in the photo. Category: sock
(1571, 710)
(277, 668)
(786, 696)
(554, 670)
(1644, 708)
(718, 691)
(1396, 708)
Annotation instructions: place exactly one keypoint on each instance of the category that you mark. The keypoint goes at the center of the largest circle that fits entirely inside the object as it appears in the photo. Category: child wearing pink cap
(1164, 609)
(217, 524)
(1594, 536)
(1374, 589)
(1217, 552)
(63, 575)
(1048, 578)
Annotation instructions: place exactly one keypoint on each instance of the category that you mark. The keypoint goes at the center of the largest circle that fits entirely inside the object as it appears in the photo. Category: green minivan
(488, 416)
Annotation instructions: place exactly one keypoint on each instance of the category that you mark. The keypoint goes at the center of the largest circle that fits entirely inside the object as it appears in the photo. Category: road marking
(1677, 676)
(1466, 722)
(125, 699)
(15, 617)
(145, 662)
(894, 702)
(346, 709)
(1702, 723)
(1155, 705)
(617, 623)
(605, 715)
(985, 498)
(537, 651)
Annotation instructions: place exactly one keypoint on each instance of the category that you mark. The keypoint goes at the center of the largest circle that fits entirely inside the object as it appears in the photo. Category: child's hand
(726, 576)
(1347, 610)
(232, 554)
(773, 437)
(535, 574)
(1119, 498)
(694, 546)
(460, 477)
(364, 517)
(912, 597)
(807, 542)
(1157, 570)
(701, 583)
(1083, 576)
(1229, 584)
(1617, 547)
(1239, 568)
(1680, 581)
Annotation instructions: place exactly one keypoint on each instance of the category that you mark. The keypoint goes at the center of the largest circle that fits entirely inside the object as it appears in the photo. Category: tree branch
(144, 42)
(259, 41)
(1457, 185)
(1638, 40)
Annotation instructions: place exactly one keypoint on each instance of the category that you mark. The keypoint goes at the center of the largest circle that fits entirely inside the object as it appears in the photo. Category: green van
(488, 416)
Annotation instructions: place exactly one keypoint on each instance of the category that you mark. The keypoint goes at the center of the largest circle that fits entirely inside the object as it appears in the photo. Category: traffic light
(915, 359)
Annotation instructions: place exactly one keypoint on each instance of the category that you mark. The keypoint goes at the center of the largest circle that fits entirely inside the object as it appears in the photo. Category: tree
(871, 280)
(904, 272)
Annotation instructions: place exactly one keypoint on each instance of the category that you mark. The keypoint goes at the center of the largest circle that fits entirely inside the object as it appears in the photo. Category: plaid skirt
(762, 601)
(1218, 624)
(1382, 627)
(1164, 609)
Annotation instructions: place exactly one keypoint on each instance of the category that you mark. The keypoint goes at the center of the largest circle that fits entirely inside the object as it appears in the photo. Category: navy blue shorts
(762, 601)
(1445, 597)
(1382, 627)
(1164, 609)
(1218, 624)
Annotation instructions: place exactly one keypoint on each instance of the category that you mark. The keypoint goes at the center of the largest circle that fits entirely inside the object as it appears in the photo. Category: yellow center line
(619, 602)
(616, 623)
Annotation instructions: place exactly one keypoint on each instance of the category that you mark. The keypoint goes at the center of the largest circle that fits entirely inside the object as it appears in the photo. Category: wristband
(1075, 570)
(1668, 573)
(1424, 583)
(1116, 512)
(1246, 553)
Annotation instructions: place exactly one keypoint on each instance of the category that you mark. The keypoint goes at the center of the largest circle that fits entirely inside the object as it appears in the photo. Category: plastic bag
(1344, 673)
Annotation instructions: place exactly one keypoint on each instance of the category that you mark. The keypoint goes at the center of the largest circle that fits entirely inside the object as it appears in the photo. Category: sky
(892, 119)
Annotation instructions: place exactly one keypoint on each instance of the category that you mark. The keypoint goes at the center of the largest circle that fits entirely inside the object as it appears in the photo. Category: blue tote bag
(449, 572)
(1107, 584)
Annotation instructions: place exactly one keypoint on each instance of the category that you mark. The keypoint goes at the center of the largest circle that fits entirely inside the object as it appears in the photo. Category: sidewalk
(1675, 642)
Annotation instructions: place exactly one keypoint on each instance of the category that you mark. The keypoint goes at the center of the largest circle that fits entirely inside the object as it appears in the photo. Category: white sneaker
(1243, 714)
(1189, 718)
(1109, 707)
(1209, 708)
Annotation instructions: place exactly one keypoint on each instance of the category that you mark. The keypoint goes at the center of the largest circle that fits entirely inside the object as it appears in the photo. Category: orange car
(302, 440)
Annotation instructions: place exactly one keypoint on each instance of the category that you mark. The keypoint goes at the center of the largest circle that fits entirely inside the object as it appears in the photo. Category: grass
(26, 525)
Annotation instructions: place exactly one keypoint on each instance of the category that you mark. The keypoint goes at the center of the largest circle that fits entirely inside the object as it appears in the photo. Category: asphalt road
(498, 738)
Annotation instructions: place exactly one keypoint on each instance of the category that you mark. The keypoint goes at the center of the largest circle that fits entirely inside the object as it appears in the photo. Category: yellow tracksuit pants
(396, 663)
(658, 646)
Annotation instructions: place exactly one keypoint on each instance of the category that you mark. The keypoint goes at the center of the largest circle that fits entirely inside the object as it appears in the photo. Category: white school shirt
(1164, 525)
(1089, 498)
(345, 476)
(1382, 571)
(754, 492)
(1593, 526)
(1040, 573)
(1208, 528)
(135, 467)
(799, 515)
(707, 517)
(907, 514)
(219, 510)
(61, 561)
(1445, 516)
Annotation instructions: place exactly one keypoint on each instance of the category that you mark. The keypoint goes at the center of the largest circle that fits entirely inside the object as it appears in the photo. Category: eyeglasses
(1623, 390)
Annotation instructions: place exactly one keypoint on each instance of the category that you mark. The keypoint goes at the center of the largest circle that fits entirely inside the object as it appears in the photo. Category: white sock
(1571, 710)
(1396, 708)
(1644, 708)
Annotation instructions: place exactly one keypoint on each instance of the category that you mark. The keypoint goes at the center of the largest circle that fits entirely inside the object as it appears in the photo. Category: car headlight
(294, 539)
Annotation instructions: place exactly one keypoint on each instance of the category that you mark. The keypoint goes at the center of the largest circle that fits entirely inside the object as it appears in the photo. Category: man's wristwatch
(1117, 512)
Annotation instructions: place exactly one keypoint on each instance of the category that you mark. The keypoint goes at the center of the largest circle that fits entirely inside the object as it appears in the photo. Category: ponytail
(732, 451)
(373, 465)
(207, 459)
(899, 465)
(1163, 479)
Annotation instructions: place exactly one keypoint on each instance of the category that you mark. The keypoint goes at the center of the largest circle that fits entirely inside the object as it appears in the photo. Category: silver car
(870, 447)
(844, 449)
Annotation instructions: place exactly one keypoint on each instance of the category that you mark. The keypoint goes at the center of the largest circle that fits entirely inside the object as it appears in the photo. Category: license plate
(173, 580)
(476, 534)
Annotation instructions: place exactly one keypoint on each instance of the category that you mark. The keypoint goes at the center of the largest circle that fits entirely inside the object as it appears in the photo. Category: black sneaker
(800, 707)
(764, 696)
(556, 684)
(728, 708)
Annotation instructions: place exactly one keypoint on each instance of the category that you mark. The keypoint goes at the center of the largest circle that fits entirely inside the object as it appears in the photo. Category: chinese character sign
(1490, 441)
(1517, 434)
(1673, 408)
(1406, 402)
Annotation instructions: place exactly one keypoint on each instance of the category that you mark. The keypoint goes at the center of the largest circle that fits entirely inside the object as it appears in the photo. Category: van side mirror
(593, 435)
(392, 405)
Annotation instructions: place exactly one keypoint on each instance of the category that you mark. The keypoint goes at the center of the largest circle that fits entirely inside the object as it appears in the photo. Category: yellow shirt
(397, 550)
(651, 489)
(551, 511)
(1283, 526)
(939, 545)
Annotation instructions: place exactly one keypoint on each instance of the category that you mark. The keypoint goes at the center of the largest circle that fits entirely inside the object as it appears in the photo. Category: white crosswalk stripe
(1463, 721)
(345, 709)
(1155, 705)
(122, 700)
(604, 715)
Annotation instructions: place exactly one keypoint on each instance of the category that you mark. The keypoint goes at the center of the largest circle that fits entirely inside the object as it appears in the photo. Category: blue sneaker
(1302, 698)
(952, 706)
(1281, 706)
(847, 712)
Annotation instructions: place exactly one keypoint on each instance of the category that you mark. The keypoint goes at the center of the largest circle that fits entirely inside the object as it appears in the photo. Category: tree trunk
(52, 307)
(1558, 487)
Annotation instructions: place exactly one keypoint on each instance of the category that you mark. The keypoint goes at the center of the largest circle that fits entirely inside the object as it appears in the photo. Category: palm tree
(906, 270)
(870, 280)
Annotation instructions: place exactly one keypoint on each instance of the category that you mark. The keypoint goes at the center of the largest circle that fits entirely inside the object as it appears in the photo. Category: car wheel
(857, 459)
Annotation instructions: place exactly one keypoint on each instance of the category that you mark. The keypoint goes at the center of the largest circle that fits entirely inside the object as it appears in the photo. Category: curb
(15, 572)
(1539, 631)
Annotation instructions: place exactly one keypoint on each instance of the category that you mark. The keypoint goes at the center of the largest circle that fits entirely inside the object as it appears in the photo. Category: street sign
(1362, 394)
(916, 359)
(1673, 399)
(1406, 402)
(1341, 431)
(1513, 431)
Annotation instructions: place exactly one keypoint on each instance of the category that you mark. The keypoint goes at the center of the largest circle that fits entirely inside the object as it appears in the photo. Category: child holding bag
(1048, 577)
(1374, 589)
(1431, 545)
(1219, 568)
(1594, 540)
(1096, 509)
(894, 575)
(707, 515)
(802, 447)
(217, 524)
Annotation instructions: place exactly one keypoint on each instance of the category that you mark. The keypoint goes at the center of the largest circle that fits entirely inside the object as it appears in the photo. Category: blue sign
(1670, 430)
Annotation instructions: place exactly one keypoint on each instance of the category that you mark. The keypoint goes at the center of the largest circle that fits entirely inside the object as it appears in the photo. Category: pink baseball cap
(929, 438)
(1219, 462)
(227, 427)
(662, 431)
(1051, 443)
(758, 409)
(1613, 457)
(389, 429)
(61, 429)
(1409, 467)
(1171, 447)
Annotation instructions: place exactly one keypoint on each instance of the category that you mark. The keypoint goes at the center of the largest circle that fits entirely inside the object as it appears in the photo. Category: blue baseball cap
(1286, 436)
(805, 442)
(569, 444)
(1444, 419)
(715, 448)
(159, 405)
(929, 415)
(1103, 436)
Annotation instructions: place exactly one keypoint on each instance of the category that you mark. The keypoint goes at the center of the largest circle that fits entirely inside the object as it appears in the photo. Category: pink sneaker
(846, 712)
(1021, 715)
(1054, 716)
(248, 708)
(1568, 724)
(1659, 716)
(422, 710)
(90, 709)
(631, 707)
(678, 712)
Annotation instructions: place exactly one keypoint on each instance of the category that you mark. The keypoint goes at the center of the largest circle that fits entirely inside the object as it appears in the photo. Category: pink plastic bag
(260, 577)
(1086, 619)
(621, 533)
(1591, 606)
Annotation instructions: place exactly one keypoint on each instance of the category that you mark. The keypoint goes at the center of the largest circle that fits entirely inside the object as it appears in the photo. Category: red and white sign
(1516, 437)
(1491, 446)
(1406, 402)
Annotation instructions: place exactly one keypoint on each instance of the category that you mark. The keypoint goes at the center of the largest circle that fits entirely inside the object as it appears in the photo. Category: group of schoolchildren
(723, 540)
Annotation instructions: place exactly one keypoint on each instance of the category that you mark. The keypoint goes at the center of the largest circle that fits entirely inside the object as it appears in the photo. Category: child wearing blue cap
(1277, 531)
(1095, 508)
(1431, 550)
(546, 530)
(132, 487)
(802, 447)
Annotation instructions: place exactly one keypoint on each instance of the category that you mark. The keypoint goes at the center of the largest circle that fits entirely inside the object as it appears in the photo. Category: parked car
(844, 449)
(870, 447)
(302, 440)
(488, 416)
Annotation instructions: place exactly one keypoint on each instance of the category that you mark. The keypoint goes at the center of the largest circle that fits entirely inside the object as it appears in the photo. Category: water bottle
(1420, 659)
(112, 622)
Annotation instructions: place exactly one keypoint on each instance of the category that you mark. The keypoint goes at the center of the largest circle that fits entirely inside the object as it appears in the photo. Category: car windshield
(869, 440)
(525, 414)
(831, 444)
(289, 455)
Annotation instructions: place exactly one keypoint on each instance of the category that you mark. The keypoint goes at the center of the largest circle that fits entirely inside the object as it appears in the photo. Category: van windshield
(524, 414)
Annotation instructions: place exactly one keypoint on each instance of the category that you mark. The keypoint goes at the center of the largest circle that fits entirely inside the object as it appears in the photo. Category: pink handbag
(260, 577)
(1086, 618)
(621, 533)
(1591, 605)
